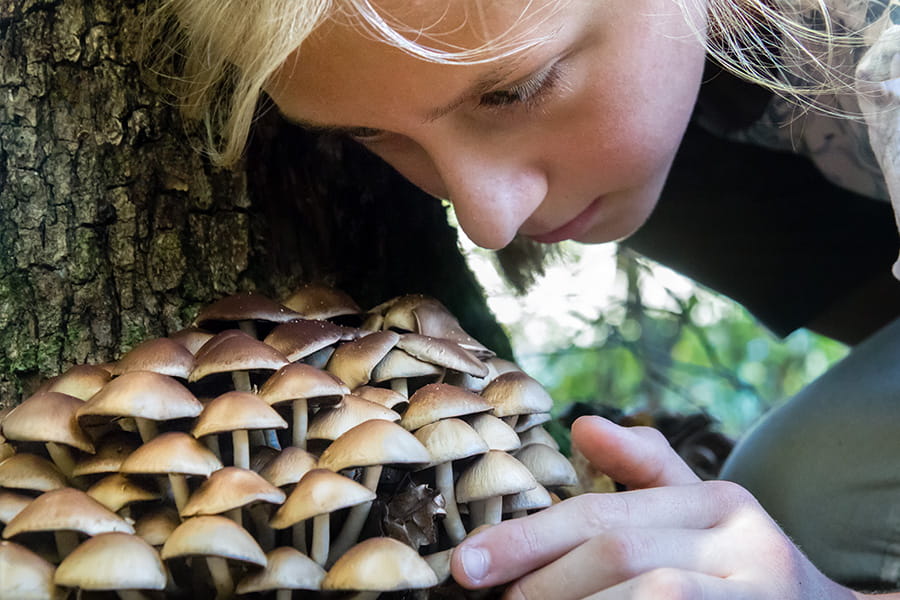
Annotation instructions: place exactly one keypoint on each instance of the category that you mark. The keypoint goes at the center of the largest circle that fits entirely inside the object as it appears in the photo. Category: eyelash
(529, 93)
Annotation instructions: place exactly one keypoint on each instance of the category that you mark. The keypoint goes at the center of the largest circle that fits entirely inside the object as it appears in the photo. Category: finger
(607, 560)
(637, 457)
(485, 558)
(677, 584)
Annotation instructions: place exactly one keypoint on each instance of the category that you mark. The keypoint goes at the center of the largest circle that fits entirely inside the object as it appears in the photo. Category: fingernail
(475, 563)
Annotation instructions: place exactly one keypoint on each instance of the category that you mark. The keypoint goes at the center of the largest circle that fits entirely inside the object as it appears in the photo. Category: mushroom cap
(301, 381)
(245, 306)
(212, 535)
(398, 364)
(374, 442)
(320, 301)
(331, 422)
(47, 417)
(112, 450)
(287, 569)
(353, 362)
(493, 474)
(192, 338)
(66, 509)
(160, 355)
(112, 561)
(496, 432)
(450, 439)
(172, 452)
(427, 316)
(81, 381)
(30, 472)
(237, 411)
(157, 525)
(288, 466)
(380, 564)
(379, 395)
(320, 491)
(142, 394)
(234, 350)
(10, 505)
(549, 467)
(299, 338)
(531, 421)
(116, 490)
(516, 393)
(228, 488)
(532, 499)
(437, 401)
(32, 577)
(538, 435)
(443, 352)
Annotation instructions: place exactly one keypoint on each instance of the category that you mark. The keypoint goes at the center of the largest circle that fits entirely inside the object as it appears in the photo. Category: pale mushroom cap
(143, 394)
(352, 362)
(330, 423)
(426, 315)
(530, 421)
(450, 439)
(112, 561)
(116, 490)
(48, 417)
(516, 393)
(437, 401)
(300, 381)
(245, 306)
(66, 509)
(228, 488)
(532, 499)
(380, 564)
(192, 338)
(379, 395)
(233, 411)
(538, 435)
(319, 301)
(287, 569)
(302, 337)
(398, 364)
(493, 474)
(495, 431)
(234, 350)
(12, 504)
(549, 467)
(320, 491)
(288, 466)
(160, 355)
(81, 381)
(443, 352)
(30, 472)
(374, 442)
(32, 577)
(213, 536)
(157, 525)
(112, 450)
(172, 452)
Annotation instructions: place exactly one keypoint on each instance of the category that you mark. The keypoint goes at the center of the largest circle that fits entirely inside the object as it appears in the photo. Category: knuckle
(619, 551)
(667, 583)
(730, 493)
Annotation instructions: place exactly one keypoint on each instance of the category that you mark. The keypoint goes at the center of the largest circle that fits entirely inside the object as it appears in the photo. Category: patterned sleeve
(878, 74)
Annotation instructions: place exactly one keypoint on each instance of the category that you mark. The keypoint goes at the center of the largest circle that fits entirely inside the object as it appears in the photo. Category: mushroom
(301, 384)
(237, 413)
(112, 450)
(300, 338)
(217, 539)
(49, 418)
(437, 401)
(549, 467)
(442, 352)
(320, 301)
(320, 493)
(331, 422)
(245, 309)
(155, 526)
(116, 492)
(119, 562)
(287, 569)
(398, 366)
(519, 504)
(495, 431)
(353, 361)
(492, 476)
(516, 393)
(379, 564)
(386, 397)
(448, 440)
(26, 576)
(192, 338)
(237, 353)
(160, 355)
(144, 395)
(176, 455)
(286, 469)
(30, 472)
(11, 504)
(81, 381)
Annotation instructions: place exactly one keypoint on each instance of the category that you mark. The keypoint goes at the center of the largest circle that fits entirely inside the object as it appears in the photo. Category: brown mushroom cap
(26, 576)
(380, 564)
(81, 381)
(493, 474)
(157, 525)
(495, 431)
(245, 306)
(383, 396)
(443, 352)
(172, 452)
(320, 491)
(303, 337)
(112, 561)
(192, 338)
(300, 381)
(159, 355)
(142, 394)
(30, 472)
(12, 504)
(450, 439)
(516, 393)
(398, 364)
(229, 488)
(437, 401)
(353, 362)
(289, 466)
(213, 536)
(66, 509)
(319, 301)
(330, 423)
(287, 569)
(116, 491)
(427, 316)
(234, 350)
(549, 467)
(374, 442)
(112, 450)
(234, 411)
(48, 417)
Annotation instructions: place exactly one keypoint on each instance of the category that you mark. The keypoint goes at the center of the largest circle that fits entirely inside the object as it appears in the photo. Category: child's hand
(671, 536)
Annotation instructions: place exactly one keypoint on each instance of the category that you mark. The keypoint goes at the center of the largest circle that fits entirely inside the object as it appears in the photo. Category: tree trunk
(114, 228)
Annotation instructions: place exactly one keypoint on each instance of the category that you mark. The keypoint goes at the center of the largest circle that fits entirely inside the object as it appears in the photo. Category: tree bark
(115, 229)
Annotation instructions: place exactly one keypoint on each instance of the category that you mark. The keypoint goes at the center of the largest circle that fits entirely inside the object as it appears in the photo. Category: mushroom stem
(300, 422)
(357, 516)
(321, 538)
(66, 541)
(179, 490)
(493, 510)
(298, 536)
(212, 442)
(61, 457)
(452, 522)
(236, 515)
(147, 428)
(241, 380)
(224, 583)
(241, 448)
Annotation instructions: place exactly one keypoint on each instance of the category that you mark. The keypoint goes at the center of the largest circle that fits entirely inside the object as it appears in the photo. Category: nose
(493, 193)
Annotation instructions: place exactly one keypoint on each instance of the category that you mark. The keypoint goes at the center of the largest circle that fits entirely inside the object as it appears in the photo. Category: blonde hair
(230, 48)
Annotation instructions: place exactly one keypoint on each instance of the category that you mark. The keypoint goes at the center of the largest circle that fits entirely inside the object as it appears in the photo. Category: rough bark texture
(113, 228)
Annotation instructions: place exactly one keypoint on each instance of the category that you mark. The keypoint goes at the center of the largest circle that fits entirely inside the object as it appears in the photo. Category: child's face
(571, 139)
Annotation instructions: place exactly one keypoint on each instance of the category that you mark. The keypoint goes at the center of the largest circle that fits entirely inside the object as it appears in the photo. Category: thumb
(637, 457)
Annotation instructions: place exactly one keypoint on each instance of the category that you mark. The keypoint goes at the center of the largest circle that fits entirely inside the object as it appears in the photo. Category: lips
(574, 228)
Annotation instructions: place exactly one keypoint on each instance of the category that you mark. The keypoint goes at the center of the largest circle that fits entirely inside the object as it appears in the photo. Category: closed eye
(528, 93)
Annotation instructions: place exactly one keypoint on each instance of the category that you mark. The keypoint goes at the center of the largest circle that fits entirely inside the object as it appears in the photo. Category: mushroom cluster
(304, 447)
